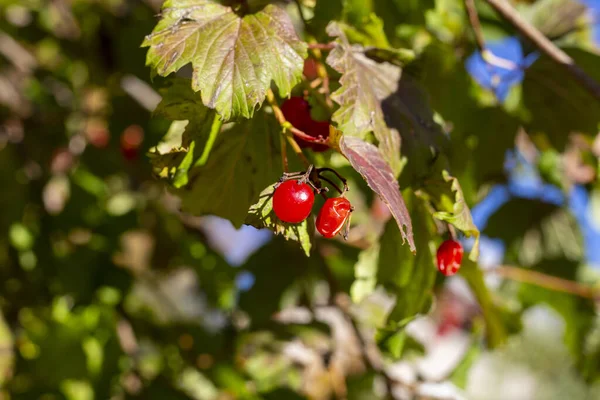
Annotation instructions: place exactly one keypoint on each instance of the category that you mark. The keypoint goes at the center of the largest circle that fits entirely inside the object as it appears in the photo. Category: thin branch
(486, 54)
(546, 281)
(528, 31)
(284, 160)
(297, 150)
(321, 46)
(376, 364)
(451, 231)
(322, 70)
(475, 24)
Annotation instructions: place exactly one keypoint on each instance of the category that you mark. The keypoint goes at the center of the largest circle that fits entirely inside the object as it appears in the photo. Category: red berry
(131, 140)
(296, 111)
(333, 216)
(310, 70)
(449, 257)
(316, 129)
(293, 201)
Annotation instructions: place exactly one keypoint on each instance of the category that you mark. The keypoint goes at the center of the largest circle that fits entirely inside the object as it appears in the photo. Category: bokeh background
(108, 292)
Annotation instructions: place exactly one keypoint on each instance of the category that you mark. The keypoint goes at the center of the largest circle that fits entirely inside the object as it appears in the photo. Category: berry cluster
(296, 111)
(294, 198)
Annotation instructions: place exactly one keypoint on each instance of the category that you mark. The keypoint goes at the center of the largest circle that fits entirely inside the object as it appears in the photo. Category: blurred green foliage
(111, 287)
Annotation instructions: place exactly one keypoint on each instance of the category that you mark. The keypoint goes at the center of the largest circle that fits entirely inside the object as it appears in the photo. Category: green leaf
(193, 124)
(365, 273)
(447, 198)
(558, 105)
(480, 142)
(409, 112)
(479, 135)
(356, 18)
(495, 330)
(578, 313)
(555, 18)
(538, 231)
(398, 57)
(403, 11)
(365, 84)
(364, 27)
(245, 159)
(409, 277)
(261, 215)
(234, 58)
(276, 267)
(160, 388)
(179, 102)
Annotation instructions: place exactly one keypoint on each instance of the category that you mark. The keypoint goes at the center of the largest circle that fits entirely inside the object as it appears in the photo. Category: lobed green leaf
(365, 83)
(234, 58)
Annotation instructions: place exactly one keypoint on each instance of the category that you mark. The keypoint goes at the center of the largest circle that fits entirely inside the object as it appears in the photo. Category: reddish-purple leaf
(367, 160)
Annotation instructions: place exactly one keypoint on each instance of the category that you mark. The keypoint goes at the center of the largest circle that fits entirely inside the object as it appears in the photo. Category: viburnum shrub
(355, 136)
(264, 98)
(279, 87)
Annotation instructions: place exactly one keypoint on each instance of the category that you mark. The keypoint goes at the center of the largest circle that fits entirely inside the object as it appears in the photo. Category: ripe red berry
(296, 111)
(333, 215)
(449, 257)
(293, 201)
(316, 129)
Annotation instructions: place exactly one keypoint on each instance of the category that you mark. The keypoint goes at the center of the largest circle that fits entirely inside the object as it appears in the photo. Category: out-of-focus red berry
(296, 111)
(131, 140)
(310, 70)
(449, 257)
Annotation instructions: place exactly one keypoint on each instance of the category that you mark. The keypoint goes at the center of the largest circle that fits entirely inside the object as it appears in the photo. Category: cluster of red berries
(449, 257)
(294, 198)
(296, 111)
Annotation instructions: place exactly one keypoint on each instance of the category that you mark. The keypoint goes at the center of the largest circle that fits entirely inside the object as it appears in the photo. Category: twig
(341, 301)
(475, 24)
(546, 281)
(451, 231)
(297, 150)
(528, 31)
(374, 364)
(486, 54)
(321, 46)
(284, 160)
(322, 70)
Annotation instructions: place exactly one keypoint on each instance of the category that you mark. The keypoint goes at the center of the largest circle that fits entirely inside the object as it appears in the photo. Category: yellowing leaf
(365, 83)
(234, 58)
